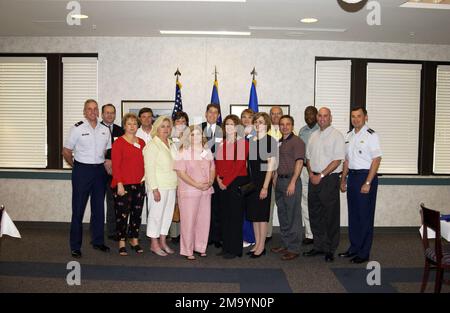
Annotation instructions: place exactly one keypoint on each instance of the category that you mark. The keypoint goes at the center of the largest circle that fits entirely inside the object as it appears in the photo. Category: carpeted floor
(38, 263)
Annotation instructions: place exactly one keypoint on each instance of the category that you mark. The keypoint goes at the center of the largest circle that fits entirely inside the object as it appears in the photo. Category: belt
(284, 176)
(86, 164)
(358, 171)
(315, 173)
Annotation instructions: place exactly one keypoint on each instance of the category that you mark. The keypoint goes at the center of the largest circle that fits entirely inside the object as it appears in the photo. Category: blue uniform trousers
(88, 180)
(361, 212)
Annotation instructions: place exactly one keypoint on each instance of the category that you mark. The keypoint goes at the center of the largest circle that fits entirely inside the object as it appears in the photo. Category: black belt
(315, 173)
(86, 164)
(284, 176)
(358, 171)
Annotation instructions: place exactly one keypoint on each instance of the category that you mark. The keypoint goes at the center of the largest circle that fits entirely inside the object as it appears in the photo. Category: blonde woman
(161, 182)
(196, 173)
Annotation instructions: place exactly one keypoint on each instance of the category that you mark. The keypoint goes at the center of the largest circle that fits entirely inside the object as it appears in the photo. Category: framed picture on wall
(238, 108)
(159, 107)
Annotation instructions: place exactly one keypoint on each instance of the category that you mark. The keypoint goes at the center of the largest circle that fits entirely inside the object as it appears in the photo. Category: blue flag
(215, 100)
(178, 103)
(253, 102)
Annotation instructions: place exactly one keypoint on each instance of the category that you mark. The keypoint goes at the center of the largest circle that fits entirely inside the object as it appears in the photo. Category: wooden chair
(435, 257)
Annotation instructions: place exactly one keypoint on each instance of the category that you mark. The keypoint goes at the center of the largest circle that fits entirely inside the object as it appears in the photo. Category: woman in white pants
(161, 182)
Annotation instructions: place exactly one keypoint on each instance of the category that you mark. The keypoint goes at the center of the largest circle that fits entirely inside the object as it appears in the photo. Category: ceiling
(278, 19)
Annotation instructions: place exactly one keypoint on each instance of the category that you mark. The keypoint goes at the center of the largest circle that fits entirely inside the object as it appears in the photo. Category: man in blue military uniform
(362, 159)
(85, 150)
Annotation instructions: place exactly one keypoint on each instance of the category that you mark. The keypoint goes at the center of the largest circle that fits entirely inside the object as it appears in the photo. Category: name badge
(204, 154)
(137, 145)
(219, 140)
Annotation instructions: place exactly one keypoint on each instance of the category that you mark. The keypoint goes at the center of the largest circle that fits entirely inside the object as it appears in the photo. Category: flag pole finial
(254, 73)
(215, 72)
(177, 73)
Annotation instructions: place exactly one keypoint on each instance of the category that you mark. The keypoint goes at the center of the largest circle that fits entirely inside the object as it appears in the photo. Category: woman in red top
(231, 173)
(128, 188)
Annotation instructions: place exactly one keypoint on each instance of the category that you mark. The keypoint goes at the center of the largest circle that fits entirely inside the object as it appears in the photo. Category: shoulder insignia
(349, 131)
(370, 130)
(79, 123)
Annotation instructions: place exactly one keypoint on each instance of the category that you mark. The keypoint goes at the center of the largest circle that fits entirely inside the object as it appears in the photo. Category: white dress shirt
(361, 148)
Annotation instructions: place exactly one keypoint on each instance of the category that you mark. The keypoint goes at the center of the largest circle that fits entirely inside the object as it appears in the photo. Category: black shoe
(113, 237)
(329, 257)
(217, 244)
(102, 248)
(307, 241)
(254, 256)
(346, 255)
(358, 260)
(76, 254)
(250, 253)
(313, 252)
(221, 253)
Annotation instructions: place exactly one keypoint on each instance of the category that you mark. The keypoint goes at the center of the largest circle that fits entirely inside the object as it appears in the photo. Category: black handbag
(250, 187)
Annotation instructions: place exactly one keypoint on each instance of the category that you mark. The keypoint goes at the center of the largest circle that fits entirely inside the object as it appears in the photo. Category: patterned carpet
(38, 263)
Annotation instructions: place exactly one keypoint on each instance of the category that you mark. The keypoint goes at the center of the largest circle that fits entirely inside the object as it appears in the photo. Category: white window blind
(333, 79)
(79, 84)
(23, 112)
(442, 122)
(393, 105)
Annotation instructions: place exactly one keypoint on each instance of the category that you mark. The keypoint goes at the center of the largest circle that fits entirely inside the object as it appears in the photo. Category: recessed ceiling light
(201, 32)
(309, 20)
(79, 16)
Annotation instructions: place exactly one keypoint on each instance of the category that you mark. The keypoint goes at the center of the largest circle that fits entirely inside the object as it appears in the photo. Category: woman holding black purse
(231, 171)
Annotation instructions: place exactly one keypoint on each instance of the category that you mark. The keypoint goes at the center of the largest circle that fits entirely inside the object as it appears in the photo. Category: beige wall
(142, 68)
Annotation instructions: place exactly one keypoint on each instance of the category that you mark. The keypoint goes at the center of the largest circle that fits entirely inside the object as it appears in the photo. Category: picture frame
(159, 107)
(238, 108)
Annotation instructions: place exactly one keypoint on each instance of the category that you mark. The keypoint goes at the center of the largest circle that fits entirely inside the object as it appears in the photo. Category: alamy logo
(373, 17)
(374, 276)
(75, 8)
(73, 278)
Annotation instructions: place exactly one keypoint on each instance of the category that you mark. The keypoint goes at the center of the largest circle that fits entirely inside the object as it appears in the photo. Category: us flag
(178, 103)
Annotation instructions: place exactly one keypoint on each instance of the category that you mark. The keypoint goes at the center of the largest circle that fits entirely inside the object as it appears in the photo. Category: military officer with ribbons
(84, 149)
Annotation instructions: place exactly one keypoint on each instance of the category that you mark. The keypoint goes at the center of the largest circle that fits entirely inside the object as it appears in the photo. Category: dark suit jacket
(117, 132)
(212, 143)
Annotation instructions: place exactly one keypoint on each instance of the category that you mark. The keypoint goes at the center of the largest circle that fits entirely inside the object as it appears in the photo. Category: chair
(437, 257)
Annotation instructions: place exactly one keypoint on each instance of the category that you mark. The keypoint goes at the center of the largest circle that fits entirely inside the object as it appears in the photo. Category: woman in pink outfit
(195, 168)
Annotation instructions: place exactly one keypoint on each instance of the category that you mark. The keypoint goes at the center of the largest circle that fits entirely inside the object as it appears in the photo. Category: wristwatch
(321, 175)
(368, 183)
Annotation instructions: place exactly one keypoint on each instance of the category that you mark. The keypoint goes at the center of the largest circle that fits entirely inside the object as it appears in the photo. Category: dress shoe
(250, 253)
(279, 250)
(102, 248)
(307, 241)
(289, 256)
(346, 254)
(329, 257)
(168, 250)
(76, 254)
(217, 244)
(221, 253)
(312, 252)
(358, 260)
(159, 252)
(255, 256)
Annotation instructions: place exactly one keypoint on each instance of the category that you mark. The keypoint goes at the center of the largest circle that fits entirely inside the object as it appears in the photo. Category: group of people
(225, 179)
